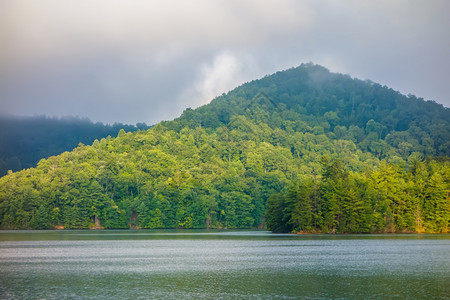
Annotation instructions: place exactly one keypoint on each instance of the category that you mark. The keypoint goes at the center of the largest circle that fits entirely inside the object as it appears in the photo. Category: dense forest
(302, 150)
(26, 140)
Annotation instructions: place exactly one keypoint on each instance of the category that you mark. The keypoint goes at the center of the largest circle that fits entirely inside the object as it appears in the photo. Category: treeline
(26, 140)
(194, 179)
(314, 143)
(154, 179)
(390, 199)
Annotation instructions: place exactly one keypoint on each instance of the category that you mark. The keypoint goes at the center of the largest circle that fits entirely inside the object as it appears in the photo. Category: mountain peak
(311, 93)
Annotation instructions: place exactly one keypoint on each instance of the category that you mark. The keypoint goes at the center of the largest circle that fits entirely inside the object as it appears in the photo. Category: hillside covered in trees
(300, 150)
(26, 140)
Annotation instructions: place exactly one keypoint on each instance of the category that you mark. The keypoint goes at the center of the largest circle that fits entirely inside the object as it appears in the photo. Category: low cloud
(145, 61)
(222, 75)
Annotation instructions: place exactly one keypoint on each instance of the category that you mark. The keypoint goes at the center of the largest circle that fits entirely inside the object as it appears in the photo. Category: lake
(170, 264)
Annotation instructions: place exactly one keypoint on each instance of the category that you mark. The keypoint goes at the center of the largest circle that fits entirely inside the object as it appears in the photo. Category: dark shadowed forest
(26, 140)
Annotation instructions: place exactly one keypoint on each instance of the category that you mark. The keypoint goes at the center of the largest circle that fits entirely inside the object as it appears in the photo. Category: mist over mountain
(26, 140)
(300, 150)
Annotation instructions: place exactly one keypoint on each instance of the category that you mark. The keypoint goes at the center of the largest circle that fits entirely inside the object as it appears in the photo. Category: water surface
(221, 265)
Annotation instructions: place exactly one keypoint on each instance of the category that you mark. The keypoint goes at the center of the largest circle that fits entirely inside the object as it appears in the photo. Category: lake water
(221, 265)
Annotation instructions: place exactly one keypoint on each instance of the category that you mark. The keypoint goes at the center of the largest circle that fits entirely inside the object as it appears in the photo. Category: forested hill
(300, 150)
(26, 140)
(312, 99)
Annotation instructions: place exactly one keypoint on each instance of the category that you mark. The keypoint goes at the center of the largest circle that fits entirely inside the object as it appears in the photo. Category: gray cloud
(146, 61)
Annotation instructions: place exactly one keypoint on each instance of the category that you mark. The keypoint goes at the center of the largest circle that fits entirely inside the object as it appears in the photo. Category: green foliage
(301, 150)
(389, 199)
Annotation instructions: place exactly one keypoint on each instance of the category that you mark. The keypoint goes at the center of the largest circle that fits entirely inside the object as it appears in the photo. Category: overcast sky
(146, 61)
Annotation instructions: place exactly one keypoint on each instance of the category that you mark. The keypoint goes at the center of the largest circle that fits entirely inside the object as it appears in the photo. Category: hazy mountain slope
(26, 140)
(303, 149)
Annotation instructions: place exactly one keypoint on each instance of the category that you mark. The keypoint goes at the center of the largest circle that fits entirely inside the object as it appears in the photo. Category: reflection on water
(221, 264)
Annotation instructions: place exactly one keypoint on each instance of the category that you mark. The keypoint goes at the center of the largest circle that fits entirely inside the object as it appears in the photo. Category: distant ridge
(26, 140)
